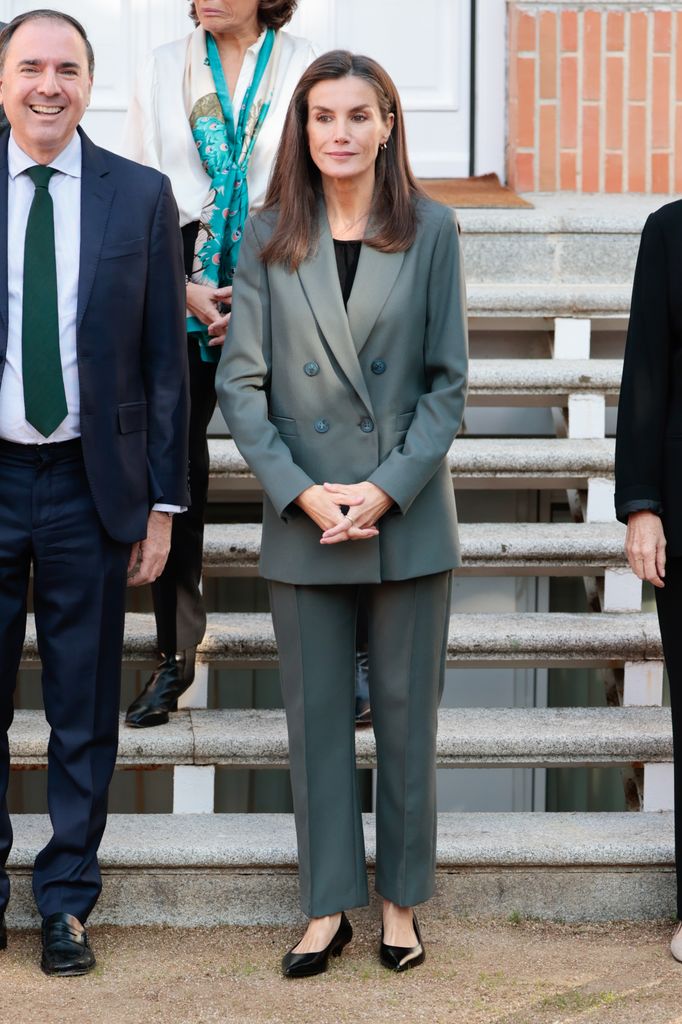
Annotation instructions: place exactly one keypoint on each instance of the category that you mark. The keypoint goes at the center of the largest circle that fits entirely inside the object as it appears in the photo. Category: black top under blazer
(313, 392)
(649, 435)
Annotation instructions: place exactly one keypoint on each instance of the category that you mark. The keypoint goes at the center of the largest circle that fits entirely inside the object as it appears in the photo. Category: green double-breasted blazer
(312, 393)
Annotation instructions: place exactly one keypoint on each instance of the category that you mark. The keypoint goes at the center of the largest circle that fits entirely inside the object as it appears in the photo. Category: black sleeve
(643, 404)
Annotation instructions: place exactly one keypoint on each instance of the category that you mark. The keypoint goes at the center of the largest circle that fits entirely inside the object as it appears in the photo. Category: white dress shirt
(158, 132)
(65, 189)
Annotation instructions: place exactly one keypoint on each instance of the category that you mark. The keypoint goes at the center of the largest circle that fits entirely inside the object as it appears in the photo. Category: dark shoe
(305, 965)
(169, 680)
(3, 932)
(66, 950)
(400, 958)
(363, 712)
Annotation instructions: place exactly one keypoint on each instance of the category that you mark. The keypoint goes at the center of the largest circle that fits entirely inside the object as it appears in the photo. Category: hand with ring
(324, 508)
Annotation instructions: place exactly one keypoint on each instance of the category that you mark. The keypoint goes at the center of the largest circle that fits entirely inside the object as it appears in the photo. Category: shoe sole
(67, 972)
(148, 723)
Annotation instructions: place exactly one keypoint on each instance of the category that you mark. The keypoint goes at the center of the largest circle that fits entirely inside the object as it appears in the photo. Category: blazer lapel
(366, 301)
(4, 188)
(320, 281)
(96, 198)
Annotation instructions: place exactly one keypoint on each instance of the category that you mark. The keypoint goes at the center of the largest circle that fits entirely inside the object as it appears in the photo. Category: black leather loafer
(3, 932)
(305, 965)
(66, 950)
(172, 676)
(401, 958)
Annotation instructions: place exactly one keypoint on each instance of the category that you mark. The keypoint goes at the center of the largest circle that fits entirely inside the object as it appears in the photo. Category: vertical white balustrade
(193, 789)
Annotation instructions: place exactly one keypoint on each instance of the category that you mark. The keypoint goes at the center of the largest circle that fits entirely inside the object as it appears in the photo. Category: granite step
(520, 300)
(542, 382)
(241, 869)
(564, 240)
(474, 463)
(559, 549)
(477, 639)
(467, 737)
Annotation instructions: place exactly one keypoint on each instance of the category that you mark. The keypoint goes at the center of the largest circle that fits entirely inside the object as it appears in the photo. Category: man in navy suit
(93, 435)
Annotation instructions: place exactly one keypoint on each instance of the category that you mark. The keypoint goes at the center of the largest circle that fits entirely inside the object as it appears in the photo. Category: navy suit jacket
(131, 338)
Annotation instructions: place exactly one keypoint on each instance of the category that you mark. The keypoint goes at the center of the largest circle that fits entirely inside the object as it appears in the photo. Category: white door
(425, 47)
(121, 32)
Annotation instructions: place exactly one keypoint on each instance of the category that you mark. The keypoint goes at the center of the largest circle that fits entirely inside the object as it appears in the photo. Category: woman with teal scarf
(208, 111)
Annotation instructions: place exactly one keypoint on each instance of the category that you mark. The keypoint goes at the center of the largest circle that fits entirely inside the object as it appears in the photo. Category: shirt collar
(69, 161)
(255, 47)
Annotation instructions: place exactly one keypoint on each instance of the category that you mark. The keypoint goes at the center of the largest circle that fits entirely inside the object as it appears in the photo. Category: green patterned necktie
(44, 397)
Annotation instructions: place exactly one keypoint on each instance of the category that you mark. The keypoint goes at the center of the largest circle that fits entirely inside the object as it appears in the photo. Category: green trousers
(407, 632)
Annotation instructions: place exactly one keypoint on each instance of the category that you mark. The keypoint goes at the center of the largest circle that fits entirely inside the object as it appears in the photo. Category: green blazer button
(322, 426)
(378, 366)
(367, 425)
(311, 369)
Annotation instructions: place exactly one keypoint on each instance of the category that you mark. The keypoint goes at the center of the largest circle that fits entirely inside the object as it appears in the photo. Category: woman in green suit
(343, 384)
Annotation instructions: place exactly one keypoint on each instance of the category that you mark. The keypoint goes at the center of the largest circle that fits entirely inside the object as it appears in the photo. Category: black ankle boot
(172, 676)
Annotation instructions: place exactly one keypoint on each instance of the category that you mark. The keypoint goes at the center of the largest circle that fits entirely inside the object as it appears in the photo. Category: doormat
(484, 190)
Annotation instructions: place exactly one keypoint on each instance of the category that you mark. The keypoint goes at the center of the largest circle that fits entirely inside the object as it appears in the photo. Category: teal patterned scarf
(225, 151)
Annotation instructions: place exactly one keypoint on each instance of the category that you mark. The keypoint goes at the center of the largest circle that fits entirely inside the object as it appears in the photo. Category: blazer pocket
(403, 420)
(132, 416)
(126, 248)
(286, 426)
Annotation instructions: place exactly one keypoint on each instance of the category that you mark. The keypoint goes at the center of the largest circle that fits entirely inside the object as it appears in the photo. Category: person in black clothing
(649, 454)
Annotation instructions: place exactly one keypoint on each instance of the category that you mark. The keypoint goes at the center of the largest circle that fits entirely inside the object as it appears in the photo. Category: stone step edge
(467, 839)
(477, 458)
(467, 737)
(232, 546)
(478, 639)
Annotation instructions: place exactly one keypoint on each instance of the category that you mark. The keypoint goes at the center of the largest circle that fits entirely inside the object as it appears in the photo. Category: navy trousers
(48, 522)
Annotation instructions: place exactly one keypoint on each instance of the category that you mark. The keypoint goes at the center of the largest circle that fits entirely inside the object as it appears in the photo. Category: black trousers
(48, 521)
(669, 604)
(178, 604)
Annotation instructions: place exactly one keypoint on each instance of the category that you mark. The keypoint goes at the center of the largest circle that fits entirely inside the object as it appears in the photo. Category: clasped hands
(203, 303)
(366, 504)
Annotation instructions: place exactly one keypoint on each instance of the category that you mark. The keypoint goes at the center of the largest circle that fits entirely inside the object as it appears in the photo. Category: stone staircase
(548, 290)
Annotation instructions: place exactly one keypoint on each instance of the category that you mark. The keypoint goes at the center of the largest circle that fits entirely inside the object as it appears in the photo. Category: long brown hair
(295, 184)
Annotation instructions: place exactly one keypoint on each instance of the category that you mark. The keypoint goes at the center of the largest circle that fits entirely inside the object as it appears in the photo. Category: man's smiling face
(45, 86)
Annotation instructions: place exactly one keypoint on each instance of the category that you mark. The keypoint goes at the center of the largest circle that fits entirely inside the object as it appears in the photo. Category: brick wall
(595, 97)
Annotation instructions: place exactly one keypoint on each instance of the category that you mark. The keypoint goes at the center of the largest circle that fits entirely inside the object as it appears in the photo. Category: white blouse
(158, 133)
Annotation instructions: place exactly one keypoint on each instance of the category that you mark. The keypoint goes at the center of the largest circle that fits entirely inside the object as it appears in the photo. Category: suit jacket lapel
(320, 280)
(366, 301)
(96, 198)
(4, 187)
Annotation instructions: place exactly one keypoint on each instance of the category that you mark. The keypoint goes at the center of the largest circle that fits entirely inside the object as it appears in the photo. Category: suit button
(311, 369)
(367, 425)
(378, 366)
(322, 426)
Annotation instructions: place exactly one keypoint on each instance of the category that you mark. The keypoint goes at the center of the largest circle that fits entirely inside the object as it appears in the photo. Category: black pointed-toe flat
(305, 965)
(401, 958)
(3, 932)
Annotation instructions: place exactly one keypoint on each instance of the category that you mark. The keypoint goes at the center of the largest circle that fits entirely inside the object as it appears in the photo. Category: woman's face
(345, 127)
(226, 16)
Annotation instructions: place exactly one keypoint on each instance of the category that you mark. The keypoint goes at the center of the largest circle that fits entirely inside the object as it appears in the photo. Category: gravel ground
(504, 972)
